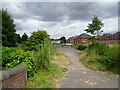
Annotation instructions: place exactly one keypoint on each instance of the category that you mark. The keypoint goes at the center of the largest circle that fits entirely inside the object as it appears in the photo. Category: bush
(43, 55)
(112, 57)
(82, 47)
(98, 48)
(37, 38)
(107, 56)
(12, 57)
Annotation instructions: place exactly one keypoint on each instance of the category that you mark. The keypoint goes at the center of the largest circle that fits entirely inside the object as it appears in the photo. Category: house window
(83, 42)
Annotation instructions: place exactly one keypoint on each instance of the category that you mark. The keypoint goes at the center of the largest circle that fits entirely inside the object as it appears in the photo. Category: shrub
(98, 48)
(112, 57)
(12, 57)
(107, 56)
(82, 47)
(37, 37)
(43, 55)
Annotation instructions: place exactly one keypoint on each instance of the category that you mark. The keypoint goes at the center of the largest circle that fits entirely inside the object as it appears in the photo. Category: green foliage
(12, 57)
(98, 48)
(81, 47)
(18, 38)
(36, 39)
(8, 30)
(95, 26)
(45, 79)
(112, 57)
(43, 55)
(103, 57)
(63, 40)
(24, 37)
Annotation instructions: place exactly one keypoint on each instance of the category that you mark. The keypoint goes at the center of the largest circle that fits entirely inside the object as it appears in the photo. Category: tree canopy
(24, 37)
(63, 40)
(37, 38)
(8, 29)
(95, 27)
(18, 38)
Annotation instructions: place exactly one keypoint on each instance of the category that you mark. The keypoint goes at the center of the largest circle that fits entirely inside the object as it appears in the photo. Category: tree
(63, 40)
(18, 38)
(95, 27)
(8, 29)
(24, 37)
(36, 39)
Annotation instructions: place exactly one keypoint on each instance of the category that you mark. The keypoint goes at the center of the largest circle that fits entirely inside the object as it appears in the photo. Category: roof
(116, 34)
(107, 34)
(84, 35)
(73, 37)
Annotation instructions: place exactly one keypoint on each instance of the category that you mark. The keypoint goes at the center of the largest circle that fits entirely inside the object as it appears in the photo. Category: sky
(61, 18)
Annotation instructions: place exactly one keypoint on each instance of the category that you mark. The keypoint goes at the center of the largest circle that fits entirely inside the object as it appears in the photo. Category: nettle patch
(12, 57)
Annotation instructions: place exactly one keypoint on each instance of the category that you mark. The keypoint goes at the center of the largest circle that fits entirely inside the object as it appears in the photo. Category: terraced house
(80, 39)
(105, 38)
(110, 38)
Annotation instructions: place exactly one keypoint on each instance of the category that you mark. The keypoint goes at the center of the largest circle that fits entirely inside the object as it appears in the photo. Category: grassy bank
(47, 79)
(102, 57)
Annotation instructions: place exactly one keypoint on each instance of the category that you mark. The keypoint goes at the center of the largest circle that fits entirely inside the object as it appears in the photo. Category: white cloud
(60, 20)
(110, 25)
(60, 1)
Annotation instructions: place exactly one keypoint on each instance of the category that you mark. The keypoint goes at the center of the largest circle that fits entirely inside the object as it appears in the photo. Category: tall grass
(102, 57)
(44, 55)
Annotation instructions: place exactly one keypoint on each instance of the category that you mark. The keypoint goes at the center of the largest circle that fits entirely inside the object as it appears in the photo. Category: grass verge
(90, 62)
(47, 79)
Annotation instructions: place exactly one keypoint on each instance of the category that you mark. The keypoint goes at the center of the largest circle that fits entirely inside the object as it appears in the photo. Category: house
(116, 36)
(79, 39)
(85, 38)
(71, 40)
(82, 39)
(106, 36)
(110, 38)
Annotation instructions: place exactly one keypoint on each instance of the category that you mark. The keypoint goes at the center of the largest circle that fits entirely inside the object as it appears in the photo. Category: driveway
(79, 76)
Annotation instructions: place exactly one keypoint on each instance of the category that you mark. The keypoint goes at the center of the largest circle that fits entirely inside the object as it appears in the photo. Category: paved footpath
(79, 76)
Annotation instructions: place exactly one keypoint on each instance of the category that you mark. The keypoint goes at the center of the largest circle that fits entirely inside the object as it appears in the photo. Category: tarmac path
(79, 76)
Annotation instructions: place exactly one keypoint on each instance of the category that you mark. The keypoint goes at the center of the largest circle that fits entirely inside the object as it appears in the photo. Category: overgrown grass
(102, 57)
(61, 59)
(91, 61)
(47, 78)
(44, 55)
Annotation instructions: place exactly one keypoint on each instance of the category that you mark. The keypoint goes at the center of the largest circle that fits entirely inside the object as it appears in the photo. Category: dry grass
(90, 61)
(61, 59)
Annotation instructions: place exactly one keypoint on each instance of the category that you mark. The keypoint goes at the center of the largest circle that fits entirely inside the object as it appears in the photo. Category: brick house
(105, 38)
(82, 39)
(108, 36)
(71, 40)
(116, 36)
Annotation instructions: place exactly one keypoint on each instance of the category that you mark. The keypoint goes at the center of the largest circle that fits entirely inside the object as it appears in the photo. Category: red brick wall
(16, 81)
(71, 41)
(80, 41)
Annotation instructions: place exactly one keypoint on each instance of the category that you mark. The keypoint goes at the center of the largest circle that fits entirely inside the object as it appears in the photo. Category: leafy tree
(18, 38)
(37, 38)
(95, 27)
(24, 37)
(63, 40)
(8, 29)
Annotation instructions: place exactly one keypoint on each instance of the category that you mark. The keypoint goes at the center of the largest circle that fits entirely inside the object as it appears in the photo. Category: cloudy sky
(62, 18)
